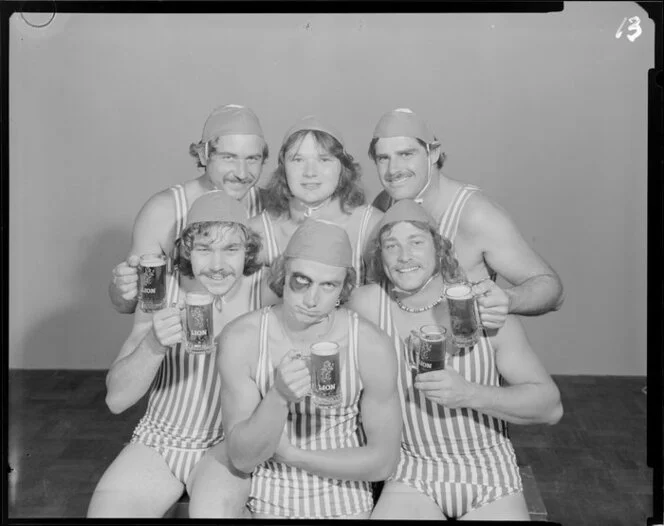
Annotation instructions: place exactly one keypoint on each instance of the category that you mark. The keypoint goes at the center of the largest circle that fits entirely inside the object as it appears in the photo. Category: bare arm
(536, 287)
(381, 419)
(364, 300)
(139, 359)
(153, 227)
(254, 424)
(531, 396)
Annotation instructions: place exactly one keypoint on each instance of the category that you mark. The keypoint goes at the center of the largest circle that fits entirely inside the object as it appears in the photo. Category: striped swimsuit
(281, 490)
(183, 416)
(273, 250)
(461, 458)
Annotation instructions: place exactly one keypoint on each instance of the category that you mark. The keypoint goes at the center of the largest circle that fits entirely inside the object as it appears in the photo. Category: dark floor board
(589, 469)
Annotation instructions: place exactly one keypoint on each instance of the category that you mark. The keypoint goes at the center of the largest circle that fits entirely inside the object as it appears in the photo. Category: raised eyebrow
(229, 154)
(407, 150)
(303, 276)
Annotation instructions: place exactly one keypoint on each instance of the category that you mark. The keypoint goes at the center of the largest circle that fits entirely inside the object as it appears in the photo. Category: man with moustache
(308, 461)
(486, 241)
(178, 444)
(232, 152)
(456, 460)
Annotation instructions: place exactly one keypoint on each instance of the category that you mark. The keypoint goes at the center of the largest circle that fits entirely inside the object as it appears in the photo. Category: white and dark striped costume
(273, 251)
(183, 416)
(281, 490)
(461, 458)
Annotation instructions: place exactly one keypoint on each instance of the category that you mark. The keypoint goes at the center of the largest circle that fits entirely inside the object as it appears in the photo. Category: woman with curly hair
(316, 177)
(456, 458)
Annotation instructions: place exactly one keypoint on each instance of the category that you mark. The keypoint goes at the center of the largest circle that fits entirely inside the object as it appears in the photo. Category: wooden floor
(589, 469)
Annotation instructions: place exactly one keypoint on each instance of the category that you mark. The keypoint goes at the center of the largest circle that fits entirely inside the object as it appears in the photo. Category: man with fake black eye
(308, 460)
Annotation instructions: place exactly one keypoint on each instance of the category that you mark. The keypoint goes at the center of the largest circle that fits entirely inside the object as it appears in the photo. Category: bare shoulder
(243, 327)
(365, 301)
(371, 334)
(481, 213)
(158, 206)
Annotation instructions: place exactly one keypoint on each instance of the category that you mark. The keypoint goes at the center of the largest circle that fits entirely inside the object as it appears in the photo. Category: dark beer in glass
(325, 388)
(152, 282)
(426, 349)
(464, 316)
(198, 329)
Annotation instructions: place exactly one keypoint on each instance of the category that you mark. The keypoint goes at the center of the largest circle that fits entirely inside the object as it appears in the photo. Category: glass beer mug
(426, 349)
(152, 282)
(198, 326)
(464, 314)
(325, 378)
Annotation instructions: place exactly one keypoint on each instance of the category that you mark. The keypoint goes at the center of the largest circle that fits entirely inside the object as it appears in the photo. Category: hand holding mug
(292, 379)
(493, 303)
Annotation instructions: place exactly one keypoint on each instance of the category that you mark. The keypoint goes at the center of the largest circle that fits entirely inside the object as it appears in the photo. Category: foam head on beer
(198, 298)
(152, 260)
(459, 291)
(325, 348)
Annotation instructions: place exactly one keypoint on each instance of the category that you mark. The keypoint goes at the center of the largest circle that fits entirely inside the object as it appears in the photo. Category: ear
(434, 152)
(202, 152)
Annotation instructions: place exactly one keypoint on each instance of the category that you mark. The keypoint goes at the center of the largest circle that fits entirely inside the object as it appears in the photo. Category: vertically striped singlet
(183, 416)
(443, 449)
(285, 491)
(273, 251)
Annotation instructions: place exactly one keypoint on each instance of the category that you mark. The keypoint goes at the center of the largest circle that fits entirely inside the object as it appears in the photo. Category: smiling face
(217, 258)
(235, 163)
(311, 289)
(403, 166)
(408, 255)
(312, 171)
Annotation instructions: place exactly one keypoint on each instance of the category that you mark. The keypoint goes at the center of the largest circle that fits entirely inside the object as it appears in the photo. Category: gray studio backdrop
(546, 112)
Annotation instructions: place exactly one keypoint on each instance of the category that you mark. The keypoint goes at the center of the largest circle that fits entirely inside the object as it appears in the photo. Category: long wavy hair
(277, 279)
(439, 162)
(446, 261)
(349, 191)
(212, 231)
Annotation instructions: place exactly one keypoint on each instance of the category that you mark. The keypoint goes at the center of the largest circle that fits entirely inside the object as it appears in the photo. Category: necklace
(417, 310)
(218, 302)
(311, 209)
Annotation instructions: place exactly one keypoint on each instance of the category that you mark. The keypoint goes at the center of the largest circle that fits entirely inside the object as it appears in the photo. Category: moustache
(236, 179)
(216, 274)
(393, 176)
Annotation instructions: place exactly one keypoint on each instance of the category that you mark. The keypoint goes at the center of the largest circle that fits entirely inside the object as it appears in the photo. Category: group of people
(305, 259)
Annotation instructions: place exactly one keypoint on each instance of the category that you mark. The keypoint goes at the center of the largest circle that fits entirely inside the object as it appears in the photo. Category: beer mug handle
(412, 350)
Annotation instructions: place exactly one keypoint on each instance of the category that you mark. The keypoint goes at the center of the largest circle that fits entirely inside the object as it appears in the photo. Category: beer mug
(324, 369)
(426, 349)
(198, 326)
(152, 282)
(464, 314)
